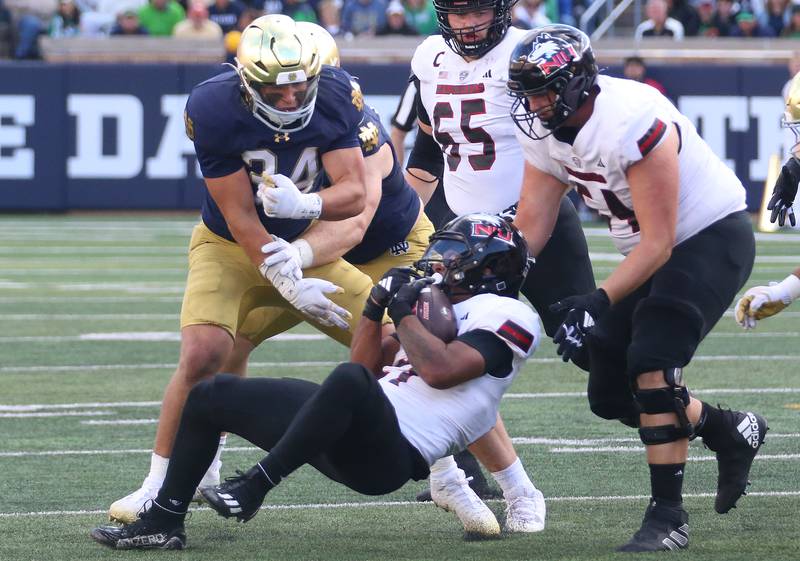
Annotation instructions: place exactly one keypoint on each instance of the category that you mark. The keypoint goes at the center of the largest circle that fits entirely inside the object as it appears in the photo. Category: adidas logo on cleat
(677, 539)
(748, 428)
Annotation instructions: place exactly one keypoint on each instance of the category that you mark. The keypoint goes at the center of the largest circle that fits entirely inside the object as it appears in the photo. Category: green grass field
(88, 341)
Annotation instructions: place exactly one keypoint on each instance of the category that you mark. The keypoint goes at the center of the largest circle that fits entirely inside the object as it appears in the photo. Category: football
(436, 314)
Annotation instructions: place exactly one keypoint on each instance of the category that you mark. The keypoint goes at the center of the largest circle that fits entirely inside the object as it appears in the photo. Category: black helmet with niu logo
(495, 29)
(555, 59)
(478, 253)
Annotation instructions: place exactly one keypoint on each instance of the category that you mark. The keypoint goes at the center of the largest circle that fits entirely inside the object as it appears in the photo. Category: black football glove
(382, 293)
(509, 213)
(403, 302)
(584, 311)
(784, 193)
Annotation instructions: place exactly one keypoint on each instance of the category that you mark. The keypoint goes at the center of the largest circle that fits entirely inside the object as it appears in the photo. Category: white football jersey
(629, 120)
(470, 112)
(441, 422)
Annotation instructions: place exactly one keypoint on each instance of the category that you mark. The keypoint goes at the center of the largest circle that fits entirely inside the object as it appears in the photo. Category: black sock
(666, 481)
(270, 471)
(166, 511)
(466, 461)
(711, 423)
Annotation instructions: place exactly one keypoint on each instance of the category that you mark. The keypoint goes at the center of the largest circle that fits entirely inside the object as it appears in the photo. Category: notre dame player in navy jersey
(391, 232)
(262, 133)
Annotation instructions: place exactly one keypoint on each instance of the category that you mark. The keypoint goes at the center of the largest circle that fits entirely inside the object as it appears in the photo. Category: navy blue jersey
(399, 205)
(228, 137)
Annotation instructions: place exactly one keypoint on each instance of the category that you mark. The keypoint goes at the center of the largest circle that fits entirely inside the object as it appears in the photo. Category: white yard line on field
(57, 414)
(94, 299)
(171, 336)
(381, 504)
(139, 336)
(89, 317)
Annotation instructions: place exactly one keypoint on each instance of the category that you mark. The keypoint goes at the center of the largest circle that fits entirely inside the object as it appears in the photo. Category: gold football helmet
(278, 65)
(326, 45)
(791, 114)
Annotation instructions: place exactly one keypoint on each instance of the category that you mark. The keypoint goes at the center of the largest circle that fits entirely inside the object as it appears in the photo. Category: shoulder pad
(513, 321)
(426, 57)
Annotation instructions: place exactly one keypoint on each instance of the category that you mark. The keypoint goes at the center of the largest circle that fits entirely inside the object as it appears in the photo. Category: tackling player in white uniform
(372, 436)
(678, 215)
(466, 137)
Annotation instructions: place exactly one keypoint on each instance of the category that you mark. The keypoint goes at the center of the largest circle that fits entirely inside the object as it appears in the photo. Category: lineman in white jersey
(466, 137)
(678, 215)
(372, 436)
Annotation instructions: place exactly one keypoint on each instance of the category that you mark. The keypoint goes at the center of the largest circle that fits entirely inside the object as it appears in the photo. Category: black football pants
(346, 428)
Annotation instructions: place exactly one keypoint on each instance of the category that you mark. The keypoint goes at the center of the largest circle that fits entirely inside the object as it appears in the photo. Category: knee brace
(672, 399)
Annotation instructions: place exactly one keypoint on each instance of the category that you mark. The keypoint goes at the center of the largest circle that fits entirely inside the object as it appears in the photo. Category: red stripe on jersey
(651, 137)
(459, 89)
(586, 176)
(516, 334)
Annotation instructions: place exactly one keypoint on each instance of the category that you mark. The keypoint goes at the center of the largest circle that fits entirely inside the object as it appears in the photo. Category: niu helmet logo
(489, 230)
(551, 54)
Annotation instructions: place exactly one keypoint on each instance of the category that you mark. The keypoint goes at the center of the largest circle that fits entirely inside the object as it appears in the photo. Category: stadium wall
(83, 136)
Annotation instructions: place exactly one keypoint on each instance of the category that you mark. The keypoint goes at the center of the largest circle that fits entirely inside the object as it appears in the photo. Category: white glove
(294, 256)
(280, 269)
(313, 303)
(281, 198)
(764, 301)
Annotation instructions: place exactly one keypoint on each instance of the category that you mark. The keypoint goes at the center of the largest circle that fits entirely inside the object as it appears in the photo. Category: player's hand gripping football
(764, 301)
(281, 198)
(382, 293)
(403, 302)
(584, 311)
(782, 201)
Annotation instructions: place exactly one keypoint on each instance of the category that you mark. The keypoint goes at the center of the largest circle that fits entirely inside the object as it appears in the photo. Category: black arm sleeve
(422, 113)
(496, 354)
(426, 155)
(405, 116)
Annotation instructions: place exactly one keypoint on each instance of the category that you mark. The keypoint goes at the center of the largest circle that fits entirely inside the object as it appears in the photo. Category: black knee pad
(671, 399)
(666, 333)
(608, 390)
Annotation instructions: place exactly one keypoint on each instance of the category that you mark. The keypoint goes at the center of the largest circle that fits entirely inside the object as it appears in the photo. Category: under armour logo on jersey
(281, 137)
(488, 74)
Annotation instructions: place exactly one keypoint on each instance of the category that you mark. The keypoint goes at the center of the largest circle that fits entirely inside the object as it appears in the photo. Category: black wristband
(372, 310)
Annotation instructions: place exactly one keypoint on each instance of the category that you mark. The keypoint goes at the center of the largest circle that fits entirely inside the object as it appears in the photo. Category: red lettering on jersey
(486, 230)
(436, 62)
(651, 137)
(516, 334)
(461, 89)
(586, 176)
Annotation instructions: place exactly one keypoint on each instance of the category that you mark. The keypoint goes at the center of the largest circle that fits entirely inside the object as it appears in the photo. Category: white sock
(445, 469)
(514, 481)
(216, 463)
(158, 469)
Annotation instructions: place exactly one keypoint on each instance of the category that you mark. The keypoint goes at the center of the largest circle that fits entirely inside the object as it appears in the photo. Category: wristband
(791, 287)
(305, 251)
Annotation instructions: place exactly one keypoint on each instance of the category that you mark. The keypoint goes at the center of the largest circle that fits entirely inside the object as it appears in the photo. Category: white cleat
(458, 497)
(126, 509)
(526, 514)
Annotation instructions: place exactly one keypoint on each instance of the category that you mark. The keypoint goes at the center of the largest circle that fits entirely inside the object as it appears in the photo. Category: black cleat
(665, 528)
(735, 456)
(151, 531)
(238, 497)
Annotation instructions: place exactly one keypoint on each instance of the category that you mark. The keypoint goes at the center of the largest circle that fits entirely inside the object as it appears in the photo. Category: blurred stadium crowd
(22, 22)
